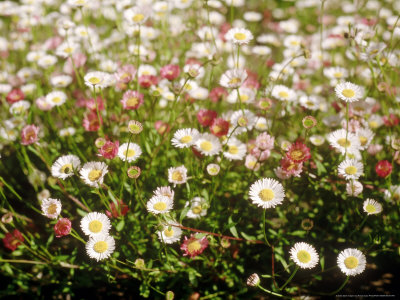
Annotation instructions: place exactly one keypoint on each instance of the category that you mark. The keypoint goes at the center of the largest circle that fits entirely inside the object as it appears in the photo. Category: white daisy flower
(236, 149)
(365, 135)
(170, 234)
(92, 173)
(351, 261)
(60, 81)
(233, 78)
(208, 144)
(242, 121)
(261, 50)
(20, 107)
(317, 140)
(67, 49)
(304, 255)
(95, 224)
(243, 94)
(239, 36)
(372, 207)
(213, 169)
(130, 154)
(159, 205)
(283, 93)
(56, 98)
(137, 15)
(96, 79)
(267, 193)
(349, 92)
(350, 169)
(262, 124)
(354, 188)
(198, 208)
(177, 175)
(78, 2)
(51, 208)
(65, 166)
(184, 138)
(100, 247)
(336, 73)
(338, 140)
(47, 61)
(165, 191)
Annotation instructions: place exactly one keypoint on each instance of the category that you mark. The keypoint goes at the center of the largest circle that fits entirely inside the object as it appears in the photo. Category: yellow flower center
(197, 209)
(52, 209)
(94, 80)
(233, 149)
(66, 169)
(56, 99)
(100, 247)
(294, 43)
(194, 246)
(234, 80)
(206, 146)
(213, 170)
(363, 140)
(239, 36)
(242, 121)
(168, 233)
(68, 50)
(303, 256)
(95, 226)
(351, 262)
(297, 155)
(370, 208)
(160, 206)
(351, 170)
(283, 94)
(338, 74)
(177, 176)
(266, 195)
(138, 18)
(244, 97)
(94, 174)
(129, 153)
(133, 101)
(348, 93)
(373, 124)
(186, 139)
(343, 142)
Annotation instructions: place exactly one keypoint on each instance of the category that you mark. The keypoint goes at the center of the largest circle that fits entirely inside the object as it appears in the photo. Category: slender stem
(347, 127)
(217, 234)
(290, 278)
(23, 261)
(340, 288)
(125, 167)
(321, 32)
(264, 228)
(270, 292)
(359, 227)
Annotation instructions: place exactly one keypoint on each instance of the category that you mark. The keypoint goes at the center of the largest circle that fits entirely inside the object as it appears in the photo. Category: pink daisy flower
(194, 246)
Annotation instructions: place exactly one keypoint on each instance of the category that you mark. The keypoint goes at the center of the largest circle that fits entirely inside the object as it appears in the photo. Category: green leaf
(232, 227)
(320, 167)
(183, 213)
(120, 225)
(248, 237)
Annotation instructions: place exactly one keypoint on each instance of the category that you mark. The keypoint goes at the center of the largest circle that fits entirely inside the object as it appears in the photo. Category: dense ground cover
(199, 149)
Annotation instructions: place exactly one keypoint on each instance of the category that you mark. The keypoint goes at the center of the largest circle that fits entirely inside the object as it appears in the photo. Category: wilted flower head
(253, 280)
(62, 227)
(13, 240)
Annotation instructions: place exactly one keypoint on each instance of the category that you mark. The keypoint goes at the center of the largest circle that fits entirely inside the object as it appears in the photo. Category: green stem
(290, 278)
(270, 292)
